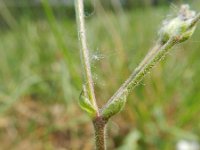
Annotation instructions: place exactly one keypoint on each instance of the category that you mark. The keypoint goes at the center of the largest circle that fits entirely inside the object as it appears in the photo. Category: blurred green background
(40, 76)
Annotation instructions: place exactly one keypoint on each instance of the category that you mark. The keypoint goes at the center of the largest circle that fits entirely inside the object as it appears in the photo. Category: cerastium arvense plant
(173, 31)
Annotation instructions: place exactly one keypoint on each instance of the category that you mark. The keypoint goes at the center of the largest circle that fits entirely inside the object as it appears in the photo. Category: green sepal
(86, 105)
(114, 107)
(187, 34)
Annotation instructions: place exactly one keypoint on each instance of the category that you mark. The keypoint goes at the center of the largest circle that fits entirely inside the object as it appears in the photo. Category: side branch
(85, 53)
(176, 30)
(154, 56)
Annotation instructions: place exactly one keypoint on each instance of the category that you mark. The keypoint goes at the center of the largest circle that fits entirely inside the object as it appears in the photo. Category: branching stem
(117, 101)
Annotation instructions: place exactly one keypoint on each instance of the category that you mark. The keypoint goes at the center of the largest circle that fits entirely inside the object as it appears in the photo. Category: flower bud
(179, 26)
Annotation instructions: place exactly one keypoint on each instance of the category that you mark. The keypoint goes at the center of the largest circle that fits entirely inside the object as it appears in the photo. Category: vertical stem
(100, 129)
(99, 123)
(85, 53)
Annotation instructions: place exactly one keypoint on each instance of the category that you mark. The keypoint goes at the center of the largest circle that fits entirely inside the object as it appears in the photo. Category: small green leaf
(86, 105)
(187, 34)
(114, 107)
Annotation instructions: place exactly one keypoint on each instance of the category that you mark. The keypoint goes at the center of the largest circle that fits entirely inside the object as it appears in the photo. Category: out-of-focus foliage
(40, 79)
(61, 8)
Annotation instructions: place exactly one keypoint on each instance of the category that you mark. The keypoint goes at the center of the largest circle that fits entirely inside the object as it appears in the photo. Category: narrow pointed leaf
(86, 105)
(114, 107)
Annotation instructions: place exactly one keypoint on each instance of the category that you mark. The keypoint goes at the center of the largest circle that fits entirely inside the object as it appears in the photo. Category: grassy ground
(40, 81)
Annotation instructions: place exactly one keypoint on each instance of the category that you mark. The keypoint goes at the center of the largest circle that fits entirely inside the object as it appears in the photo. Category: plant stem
(85, 53)
(100, 129)
(154, 56)
(195, 20)
(98, 122)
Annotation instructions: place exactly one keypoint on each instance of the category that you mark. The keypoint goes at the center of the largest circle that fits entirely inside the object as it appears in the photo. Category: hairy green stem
(100, 135)
(154, 56)
(176, 31)
(85, 53)
(98, 122)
